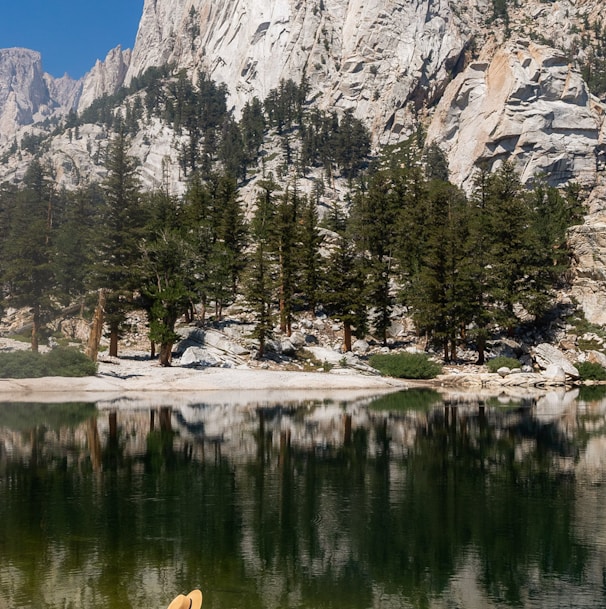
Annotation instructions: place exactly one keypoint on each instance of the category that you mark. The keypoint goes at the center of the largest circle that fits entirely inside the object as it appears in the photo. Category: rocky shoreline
(142, 378)
(221, 364)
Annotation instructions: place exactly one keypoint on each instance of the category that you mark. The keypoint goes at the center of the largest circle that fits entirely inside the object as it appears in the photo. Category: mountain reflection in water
(409, 500)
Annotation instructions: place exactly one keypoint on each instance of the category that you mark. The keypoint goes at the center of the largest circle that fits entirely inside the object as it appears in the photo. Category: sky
(70, 34)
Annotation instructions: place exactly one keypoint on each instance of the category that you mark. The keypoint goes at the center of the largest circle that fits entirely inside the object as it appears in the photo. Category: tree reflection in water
(409, 501)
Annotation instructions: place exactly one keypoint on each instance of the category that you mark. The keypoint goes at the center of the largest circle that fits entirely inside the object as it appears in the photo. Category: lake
(406, 500)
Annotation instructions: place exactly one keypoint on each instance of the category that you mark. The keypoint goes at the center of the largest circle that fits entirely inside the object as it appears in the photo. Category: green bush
(58, 362)
(589, 371)
(406, 365)
(502, 362)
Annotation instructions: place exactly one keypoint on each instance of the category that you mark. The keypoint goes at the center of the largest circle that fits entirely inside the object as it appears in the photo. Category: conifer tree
(373, 220)
(227, 254)
(75, 242)
(343, 294)
(285, 241)
(260, 278)
(27, 261)
(310, 261)
(165, 267)
(480, 269)
(510, 245)
(440, 287)
(123, 220)
(252, 125)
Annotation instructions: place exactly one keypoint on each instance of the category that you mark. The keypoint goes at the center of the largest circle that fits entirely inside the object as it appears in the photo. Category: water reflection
(411, 500)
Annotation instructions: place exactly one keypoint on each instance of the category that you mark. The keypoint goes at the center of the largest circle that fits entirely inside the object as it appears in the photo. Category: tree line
(465, 265)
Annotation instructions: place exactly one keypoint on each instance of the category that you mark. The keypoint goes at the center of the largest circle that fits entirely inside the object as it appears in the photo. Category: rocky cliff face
(384, 59)
(528, 105)
(105, 78)
(27, 94)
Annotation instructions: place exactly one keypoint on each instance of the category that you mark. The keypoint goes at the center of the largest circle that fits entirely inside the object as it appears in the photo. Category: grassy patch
(405, 365)
(502, 362)
(591, 371)
(58, 362)
(582, 326)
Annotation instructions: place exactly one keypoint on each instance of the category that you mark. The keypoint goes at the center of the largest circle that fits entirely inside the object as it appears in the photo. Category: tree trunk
(347, 336)
(481, 348)
(282, 311)
(203, 313)
(152, 350)
(166, 354)
(96, 330)
(113, 342)
(453, 350)
(35, 330)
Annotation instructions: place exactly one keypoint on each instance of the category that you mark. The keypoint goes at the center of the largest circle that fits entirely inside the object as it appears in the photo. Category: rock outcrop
(105, 78)
(528, 105)
(588, 242)
(381, 58)
(27, 94)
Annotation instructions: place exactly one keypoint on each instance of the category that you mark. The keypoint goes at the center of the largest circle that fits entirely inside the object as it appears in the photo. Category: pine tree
(480, 269)
(227, 254)
(285, 240)
(123, 220)
(75, 242)
(310, 261)
(343, 294)
(27, 261)
(510, 246)
(165, 267)
(373, 220)
(440, 294)
(261, 275)
(252, 125)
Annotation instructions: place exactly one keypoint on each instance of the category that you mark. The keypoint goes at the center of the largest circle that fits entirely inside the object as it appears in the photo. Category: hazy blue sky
(70, 34)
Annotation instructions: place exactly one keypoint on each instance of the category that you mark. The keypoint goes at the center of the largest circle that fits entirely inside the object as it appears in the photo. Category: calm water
(405, 501)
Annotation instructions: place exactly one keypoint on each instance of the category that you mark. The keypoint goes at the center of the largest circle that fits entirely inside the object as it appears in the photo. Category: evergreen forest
(465, 265)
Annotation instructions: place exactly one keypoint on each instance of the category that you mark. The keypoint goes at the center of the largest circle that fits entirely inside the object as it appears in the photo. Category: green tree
(343, 294)
(285, 241)
(166, 264)
(123, 221)
(27, 255)
(373, 220)
(440, 288)
(216, 227)
(75, 242)
(261, 273)
(252, 125)
(310, 260)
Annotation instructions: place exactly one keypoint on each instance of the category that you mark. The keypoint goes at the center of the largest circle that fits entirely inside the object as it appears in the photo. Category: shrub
(58, 362)
(406, 365)
(591, 371)
(502, 362)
